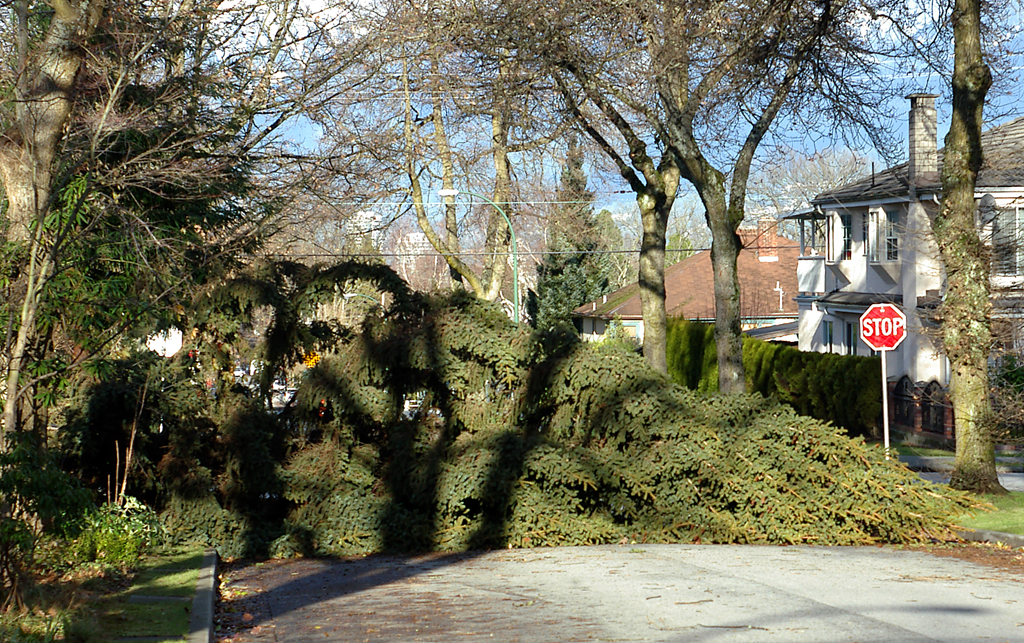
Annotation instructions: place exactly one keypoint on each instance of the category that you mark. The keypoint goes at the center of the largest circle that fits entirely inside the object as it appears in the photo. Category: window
(826, 335)
(847, 223)
(903, 396)
(850, 338)
(885, 242)
(840, 246)
(891, 231)
(1007, 255)
(865, 233)
(933, 408)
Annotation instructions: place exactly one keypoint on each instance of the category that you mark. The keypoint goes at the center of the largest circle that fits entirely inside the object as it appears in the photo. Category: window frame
(865, 233)
(885, 235)
(892, 234)
(840, 231)
(1007, 250)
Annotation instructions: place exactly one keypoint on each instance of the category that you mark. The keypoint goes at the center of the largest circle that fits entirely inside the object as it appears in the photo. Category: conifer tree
(575, 275)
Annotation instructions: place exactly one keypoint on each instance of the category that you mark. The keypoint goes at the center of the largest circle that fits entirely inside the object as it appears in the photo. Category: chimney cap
(921, 95)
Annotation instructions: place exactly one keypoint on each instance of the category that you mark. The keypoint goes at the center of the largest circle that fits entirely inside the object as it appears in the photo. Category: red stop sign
(883, 326)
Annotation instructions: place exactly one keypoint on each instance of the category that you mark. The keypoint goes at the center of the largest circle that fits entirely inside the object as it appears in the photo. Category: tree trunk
(966, 312)
(455, 264)
(725, 249)
(27, 159)
(498, 233)
(654, 213)
(444, 151)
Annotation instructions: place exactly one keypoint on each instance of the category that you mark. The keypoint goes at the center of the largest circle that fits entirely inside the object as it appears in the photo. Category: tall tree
(687, 91)
(132, 132)
(966, 309)
(42, 93)
(435, 118)
(575, 271)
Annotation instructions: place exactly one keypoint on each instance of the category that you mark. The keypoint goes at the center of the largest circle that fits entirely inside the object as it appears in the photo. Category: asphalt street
(646, 593)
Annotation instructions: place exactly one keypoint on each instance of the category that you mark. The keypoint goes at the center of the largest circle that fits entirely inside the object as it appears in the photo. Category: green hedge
(844, 390)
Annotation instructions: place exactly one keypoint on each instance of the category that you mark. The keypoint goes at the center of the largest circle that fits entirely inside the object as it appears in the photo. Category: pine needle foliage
(537, 440)
(438, 424)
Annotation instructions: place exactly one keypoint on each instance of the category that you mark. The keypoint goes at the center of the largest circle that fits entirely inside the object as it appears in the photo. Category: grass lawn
(157, 605)
(1008, 516)
(118, 619)
(96, 604)
(906, 449)
(171, 576)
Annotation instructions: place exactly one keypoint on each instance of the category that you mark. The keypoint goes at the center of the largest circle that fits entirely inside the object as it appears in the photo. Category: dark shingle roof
(1003, 167)
(859, 299)
(1004, 156)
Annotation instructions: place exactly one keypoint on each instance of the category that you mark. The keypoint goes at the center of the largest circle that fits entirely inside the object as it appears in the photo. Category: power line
(369, 204)
(361, 255)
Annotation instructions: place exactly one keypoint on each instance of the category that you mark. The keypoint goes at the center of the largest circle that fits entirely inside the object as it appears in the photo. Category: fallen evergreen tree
(523, 440)
(439, 424)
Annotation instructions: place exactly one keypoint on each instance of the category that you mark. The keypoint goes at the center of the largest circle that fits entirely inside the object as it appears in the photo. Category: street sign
(883, 327)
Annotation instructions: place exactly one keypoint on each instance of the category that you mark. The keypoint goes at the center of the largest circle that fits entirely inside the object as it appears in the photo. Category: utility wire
(370, 203)
(313, 255)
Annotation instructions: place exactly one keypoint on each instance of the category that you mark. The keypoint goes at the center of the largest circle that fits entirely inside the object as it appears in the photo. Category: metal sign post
(883, 327)
(885, 404)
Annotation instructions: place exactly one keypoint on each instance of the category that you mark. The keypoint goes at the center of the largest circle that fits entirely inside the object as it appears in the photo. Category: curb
(937, 464)
(200, 628)
(986, 536)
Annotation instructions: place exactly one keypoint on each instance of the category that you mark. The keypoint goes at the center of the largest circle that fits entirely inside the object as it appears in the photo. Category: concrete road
(642, 593)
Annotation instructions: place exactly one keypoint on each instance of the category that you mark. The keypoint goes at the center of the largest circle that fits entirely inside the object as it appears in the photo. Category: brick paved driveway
(639, 593)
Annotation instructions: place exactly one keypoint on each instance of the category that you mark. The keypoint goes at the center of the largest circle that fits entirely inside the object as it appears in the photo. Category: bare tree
(687, 91)
(438, 119)
(789, 180)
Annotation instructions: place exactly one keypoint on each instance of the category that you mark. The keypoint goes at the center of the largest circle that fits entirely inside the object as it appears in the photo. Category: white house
(870, 241)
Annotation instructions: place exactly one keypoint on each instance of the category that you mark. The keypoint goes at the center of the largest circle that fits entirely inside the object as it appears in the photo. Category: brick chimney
(924, 125)
(767, 241)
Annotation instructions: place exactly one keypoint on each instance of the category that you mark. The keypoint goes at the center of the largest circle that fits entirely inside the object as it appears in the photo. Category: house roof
(858, 300)
(775, 331)
(690, 291)
(1003, 166)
